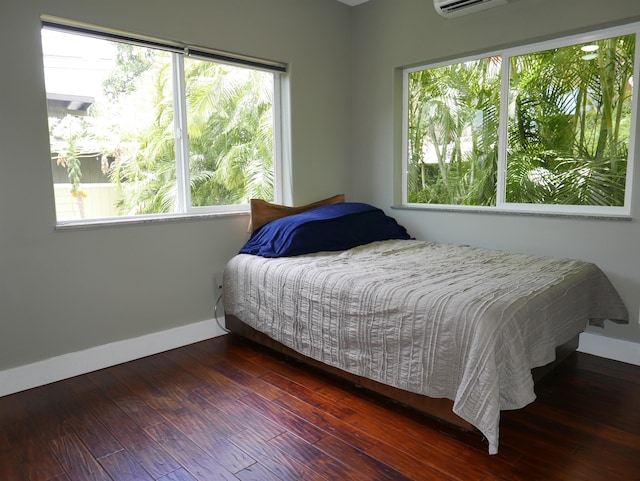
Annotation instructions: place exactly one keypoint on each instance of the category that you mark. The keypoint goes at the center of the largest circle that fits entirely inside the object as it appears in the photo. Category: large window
(140, 127)
(543, 128)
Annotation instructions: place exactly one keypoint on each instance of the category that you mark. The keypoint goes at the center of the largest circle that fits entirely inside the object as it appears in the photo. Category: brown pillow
(263, 212)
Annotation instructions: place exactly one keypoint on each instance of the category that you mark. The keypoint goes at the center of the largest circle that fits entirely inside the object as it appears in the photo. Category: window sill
(144, 219)
(499, 211)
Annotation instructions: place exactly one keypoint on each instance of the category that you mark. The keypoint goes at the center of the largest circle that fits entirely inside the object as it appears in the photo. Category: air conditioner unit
(456, 8)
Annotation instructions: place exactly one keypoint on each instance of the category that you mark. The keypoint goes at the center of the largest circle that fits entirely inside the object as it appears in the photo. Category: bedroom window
(548, 127)
(142, 128)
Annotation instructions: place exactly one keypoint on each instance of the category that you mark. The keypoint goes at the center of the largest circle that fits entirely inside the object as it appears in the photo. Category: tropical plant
(453, 117)
(132, 123)
(73, 138)
(568, 128)
(230, 132)
(145, 171)
(131, 62)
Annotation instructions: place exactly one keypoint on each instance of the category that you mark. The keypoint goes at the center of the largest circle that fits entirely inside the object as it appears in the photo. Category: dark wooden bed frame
(435, 407)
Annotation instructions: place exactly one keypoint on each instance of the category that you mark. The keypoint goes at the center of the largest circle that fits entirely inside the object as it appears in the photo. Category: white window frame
(506, 54)
(183, 207)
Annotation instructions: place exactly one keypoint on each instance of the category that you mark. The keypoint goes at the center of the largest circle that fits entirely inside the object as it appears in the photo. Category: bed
(452, 330)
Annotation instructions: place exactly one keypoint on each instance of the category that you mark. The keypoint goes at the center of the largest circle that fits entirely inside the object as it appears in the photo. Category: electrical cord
(215, 314)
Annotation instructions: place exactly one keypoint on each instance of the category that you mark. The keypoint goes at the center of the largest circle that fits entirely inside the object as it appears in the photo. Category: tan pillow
(263, 212)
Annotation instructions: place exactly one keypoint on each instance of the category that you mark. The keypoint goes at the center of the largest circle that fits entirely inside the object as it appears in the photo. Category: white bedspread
(448, 321)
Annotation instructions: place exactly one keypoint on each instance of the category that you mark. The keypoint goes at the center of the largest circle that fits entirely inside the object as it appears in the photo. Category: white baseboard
(81, 362)
(610, 348)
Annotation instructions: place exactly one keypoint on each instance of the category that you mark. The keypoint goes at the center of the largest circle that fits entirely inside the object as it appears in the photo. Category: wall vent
(457, 8)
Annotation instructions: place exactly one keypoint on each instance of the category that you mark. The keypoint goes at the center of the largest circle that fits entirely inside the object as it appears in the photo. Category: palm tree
(453, 114)
(145, 169)
(73, 138)
(230, 132)
(569, 131)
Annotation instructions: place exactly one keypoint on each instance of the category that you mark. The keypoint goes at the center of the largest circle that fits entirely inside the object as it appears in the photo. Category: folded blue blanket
(328, 228)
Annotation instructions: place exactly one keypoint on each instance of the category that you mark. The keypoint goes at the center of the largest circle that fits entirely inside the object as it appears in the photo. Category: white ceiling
(353, 3)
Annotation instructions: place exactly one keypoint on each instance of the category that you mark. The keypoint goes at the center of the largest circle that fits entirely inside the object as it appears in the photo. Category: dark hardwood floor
(227, 409)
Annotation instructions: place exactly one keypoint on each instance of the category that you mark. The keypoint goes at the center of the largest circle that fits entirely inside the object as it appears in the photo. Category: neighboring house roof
(77, 103)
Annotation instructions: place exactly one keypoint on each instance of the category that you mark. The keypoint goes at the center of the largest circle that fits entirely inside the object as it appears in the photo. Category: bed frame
(436, 407)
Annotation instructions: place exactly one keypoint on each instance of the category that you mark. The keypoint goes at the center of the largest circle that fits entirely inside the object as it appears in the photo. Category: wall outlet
(217, 283)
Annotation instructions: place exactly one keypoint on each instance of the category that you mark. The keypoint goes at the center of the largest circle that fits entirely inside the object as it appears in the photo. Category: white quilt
(448, 321)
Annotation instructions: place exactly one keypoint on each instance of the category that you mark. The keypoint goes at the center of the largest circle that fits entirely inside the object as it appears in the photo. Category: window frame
(179, 51)
(501, 205)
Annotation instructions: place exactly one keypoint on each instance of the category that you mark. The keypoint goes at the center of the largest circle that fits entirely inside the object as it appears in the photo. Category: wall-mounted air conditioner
(456, 8)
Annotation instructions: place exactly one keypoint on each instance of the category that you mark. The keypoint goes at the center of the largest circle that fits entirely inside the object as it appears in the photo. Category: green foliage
(71, 139)
(132, 122)
(568, 130)
(230, 134)
(453, 126)
(131, 62)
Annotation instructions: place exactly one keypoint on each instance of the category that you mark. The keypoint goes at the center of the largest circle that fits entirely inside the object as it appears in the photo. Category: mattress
(442, 320)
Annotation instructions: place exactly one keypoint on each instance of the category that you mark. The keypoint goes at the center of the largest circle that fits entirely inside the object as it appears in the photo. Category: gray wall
(65, 291)
(388, 35)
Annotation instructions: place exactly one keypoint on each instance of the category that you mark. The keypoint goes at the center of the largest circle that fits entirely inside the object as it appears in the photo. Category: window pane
(111, 127)
(453, 133)
(569, 124)
(230, 126)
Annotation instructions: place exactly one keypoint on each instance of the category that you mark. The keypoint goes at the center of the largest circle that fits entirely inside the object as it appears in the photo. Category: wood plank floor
(225, 409)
